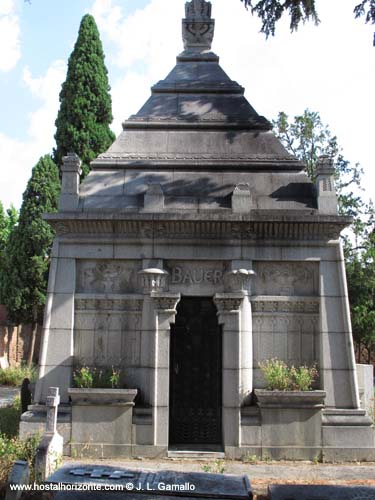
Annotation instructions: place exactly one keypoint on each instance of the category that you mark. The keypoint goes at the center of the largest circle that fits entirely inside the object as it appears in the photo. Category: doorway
(195, 399)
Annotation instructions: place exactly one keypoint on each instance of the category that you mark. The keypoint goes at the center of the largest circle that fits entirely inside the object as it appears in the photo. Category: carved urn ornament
(198, 27)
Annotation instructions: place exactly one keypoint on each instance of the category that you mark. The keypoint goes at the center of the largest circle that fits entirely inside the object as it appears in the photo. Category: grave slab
(320, 492)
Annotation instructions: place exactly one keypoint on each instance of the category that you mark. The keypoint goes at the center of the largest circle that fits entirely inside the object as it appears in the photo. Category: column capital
(228, 302)
(166, 302)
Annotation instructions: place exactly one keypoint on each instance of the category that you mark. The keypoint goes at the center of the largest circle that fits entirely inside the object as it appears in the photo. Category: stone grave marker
(158, 485)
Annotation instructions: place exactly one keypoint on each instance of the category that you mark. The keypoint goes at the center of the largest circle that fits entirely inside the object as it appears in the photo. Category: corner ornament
(198, 27)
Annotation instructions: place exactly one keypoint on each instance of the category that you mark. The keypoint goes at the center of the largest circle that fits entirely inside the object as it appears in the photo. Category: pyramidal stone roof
(196, 148)
(197, 116)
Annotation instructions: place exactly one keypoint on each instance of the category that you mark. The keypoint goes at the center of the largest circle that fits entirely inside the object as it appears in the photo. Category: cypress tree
(82, 124)
(29, 247)
(8, 219)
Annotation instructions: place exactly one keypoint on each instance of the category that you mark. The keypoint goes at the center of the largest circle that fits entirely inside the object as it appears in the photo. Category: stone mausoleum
(196, 248)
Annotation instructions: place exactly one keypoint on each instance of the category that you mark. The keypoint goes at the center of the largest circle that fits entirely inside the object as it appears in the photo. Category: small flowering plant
(87, 377)
(280, 377)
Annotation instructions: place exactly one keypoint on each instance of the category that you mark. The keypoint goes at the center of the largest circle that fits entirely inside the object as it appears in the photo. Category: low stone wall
(15, 344)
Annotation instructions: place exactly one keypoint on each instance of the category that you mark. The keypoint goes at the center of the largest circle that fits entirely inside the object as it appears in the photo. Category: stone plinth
(291, 424)
(102, 422)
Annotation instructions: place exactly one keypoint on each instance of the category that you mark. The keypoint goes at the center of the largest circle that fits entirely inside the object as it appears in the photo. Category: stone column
(234, 313)
(228, 306)
(159, 310)
(165, 307)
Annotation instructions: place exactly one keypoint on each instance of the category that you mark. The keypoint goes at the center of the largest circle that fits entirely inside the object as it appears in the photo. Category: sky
(327, 68)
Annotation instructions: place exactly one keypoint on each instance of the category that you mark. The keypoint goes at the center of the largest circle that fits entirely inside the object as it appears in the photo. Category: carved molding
(276, 304)
(197, 156)
(86, 302)
(228, 302)
(210, 230)
(166, 302)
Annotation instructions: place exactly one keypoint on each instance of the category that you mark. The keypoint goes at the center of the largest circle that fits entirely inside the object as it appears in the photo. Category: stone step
(196, 454)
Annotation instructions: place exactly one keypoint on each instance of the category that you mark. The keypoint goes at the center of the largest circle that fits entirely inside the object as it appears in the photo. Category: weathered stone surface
(191, 484)
(287, 492)
(19, 475)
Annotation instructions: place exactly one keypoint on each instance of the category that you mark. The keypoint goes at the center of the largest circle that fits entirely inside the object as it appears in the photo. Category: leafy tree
(82, 124)
(8, 220)
(360, 269)
(271, 11)
(28, 249)
(308, 138)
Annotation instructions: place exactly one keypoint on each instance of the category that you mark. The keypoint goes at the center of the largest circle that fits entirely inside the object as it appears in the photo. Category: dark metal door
(195, 374)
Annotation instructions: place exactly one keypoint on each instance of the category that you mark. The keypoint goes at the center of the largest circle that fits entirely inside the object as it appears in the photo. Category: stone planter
(116, 397)
(102, 422)
(290, 399)
(291, 423)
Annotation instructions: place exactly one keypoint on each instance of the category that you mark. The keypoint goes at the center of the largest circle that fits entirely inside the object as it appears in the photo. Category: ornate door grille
(195, 374)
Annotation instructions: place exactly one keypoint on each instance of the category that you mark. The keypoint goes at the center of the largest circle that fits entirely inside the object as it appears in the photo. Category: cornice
(180, 226)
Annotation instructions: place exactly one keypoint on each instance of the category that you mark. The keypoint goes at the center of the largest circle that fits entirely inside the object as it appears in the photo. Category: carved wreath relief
(107, 276)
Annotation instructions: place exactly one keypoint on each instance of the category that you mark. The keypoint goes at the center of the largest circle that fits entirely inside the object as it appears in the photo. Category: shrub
(12, 449)
(9, 419)
(280, 377)
(14, 376)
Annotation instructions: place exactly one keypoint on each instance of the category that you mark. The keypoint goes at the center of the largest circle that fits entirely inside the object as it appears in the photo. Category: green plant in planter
(280, 377)
(83, 377)
(276, 373)
(303, 377)
(87, 378)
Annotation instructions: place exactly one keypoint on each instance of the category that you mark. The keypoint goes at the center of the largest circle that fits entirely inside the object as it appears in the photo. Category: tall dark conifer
(82, 124)
(28, 249)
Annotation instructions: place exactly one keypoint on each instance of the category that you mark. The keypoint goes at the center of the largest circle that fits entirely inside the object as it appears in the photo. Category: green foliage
(82, 124)
(83, 377)
(307, 138)
(87, 377)
(216, 467)
(271, 11)
(280, 377)
(360, 268)
(276, 373)
(303, 377)
(10, 419)
(29, 246)
(8, 221)
(12, 449)
(13, 376)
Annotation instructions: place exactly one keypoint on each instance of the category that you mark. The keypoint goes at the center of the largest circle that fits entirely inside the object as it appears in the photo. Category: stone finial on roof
(198, 27)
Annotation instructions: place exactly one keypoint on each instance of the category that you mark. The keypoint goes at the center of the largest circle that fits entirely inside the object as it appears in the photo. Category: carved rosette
(153, 280)
(228, 302)
(166, 302)
(238, 280)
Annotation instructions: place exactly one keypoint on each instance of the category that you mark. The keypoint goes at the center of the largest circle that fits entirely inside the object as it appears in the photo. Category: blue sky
(329, 69)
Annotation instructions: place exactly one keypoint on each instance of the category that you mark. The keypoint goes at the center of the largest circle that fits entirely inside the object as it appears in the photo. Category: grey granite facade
(198, 205)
